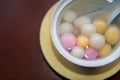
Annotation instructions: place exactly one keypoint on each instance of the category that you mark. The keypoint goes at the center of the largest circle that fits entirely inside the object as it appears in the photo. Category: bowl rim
(86, 63)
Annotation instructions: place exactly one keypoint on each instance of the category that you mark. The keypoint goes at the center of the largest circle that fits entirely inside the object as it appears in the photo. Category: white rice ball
(80, 21)
(77, 52)
(97, 40)
(88, 29)
(65, 28)
(69, 16)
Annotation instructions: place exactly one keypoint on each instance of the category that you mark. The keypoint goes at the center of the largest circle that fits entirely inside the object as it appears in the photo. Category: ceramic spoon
(108, 12)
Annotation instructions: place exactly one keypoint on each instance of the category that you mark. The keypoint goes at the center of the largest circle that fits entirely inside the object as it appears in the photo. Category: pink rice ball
(68, 41)
(91, 53)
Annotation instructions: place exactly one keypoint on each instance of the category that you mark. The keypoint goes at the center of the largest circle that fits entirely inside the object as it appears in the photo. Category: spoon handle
(108, 12)
(115, 10)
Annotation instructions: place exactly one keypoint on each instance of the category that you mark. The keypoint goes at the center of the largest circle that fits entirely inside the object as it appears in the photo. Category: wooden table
(20, 53)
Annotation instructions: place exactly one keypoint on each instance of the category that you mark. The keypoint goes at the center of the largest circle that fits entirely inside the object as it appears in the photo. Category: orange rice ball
(100, 25)
(112, 34)
(105, 50)
(82, 41)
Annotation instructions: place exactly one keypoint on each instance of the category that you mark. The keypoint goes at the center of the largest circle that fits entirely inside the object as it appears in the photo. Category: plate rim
(55, 68)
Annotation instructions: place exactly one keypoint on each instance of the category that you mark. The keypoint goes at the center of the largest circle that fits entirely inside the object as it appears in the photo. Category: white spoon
(108, 12)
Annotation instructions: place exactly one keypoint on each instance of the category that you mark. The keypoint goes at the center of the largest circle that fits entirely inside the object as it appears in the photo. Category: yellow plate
(66, 68)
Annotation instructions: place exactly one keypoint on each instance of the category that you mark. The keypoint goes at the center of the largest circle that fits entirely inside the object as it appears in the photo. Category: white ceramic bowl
(86, 6)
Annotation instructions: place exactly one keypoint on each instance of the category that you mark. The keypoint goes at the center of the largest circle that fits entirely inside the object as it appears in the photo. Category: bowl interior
(82, 7)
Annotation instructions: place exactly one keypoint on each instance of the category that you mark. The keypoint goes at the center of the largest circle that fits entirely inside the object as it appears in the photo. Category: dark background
(20, 53)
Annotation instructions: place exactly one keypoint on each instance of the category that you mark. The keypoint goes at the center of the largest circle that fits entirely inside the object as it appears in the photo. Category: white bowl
(61, 7)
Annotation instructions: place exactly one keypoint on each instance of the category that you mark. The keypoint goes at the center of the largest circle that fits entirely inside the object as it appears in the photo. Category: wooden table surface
(20, 52)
